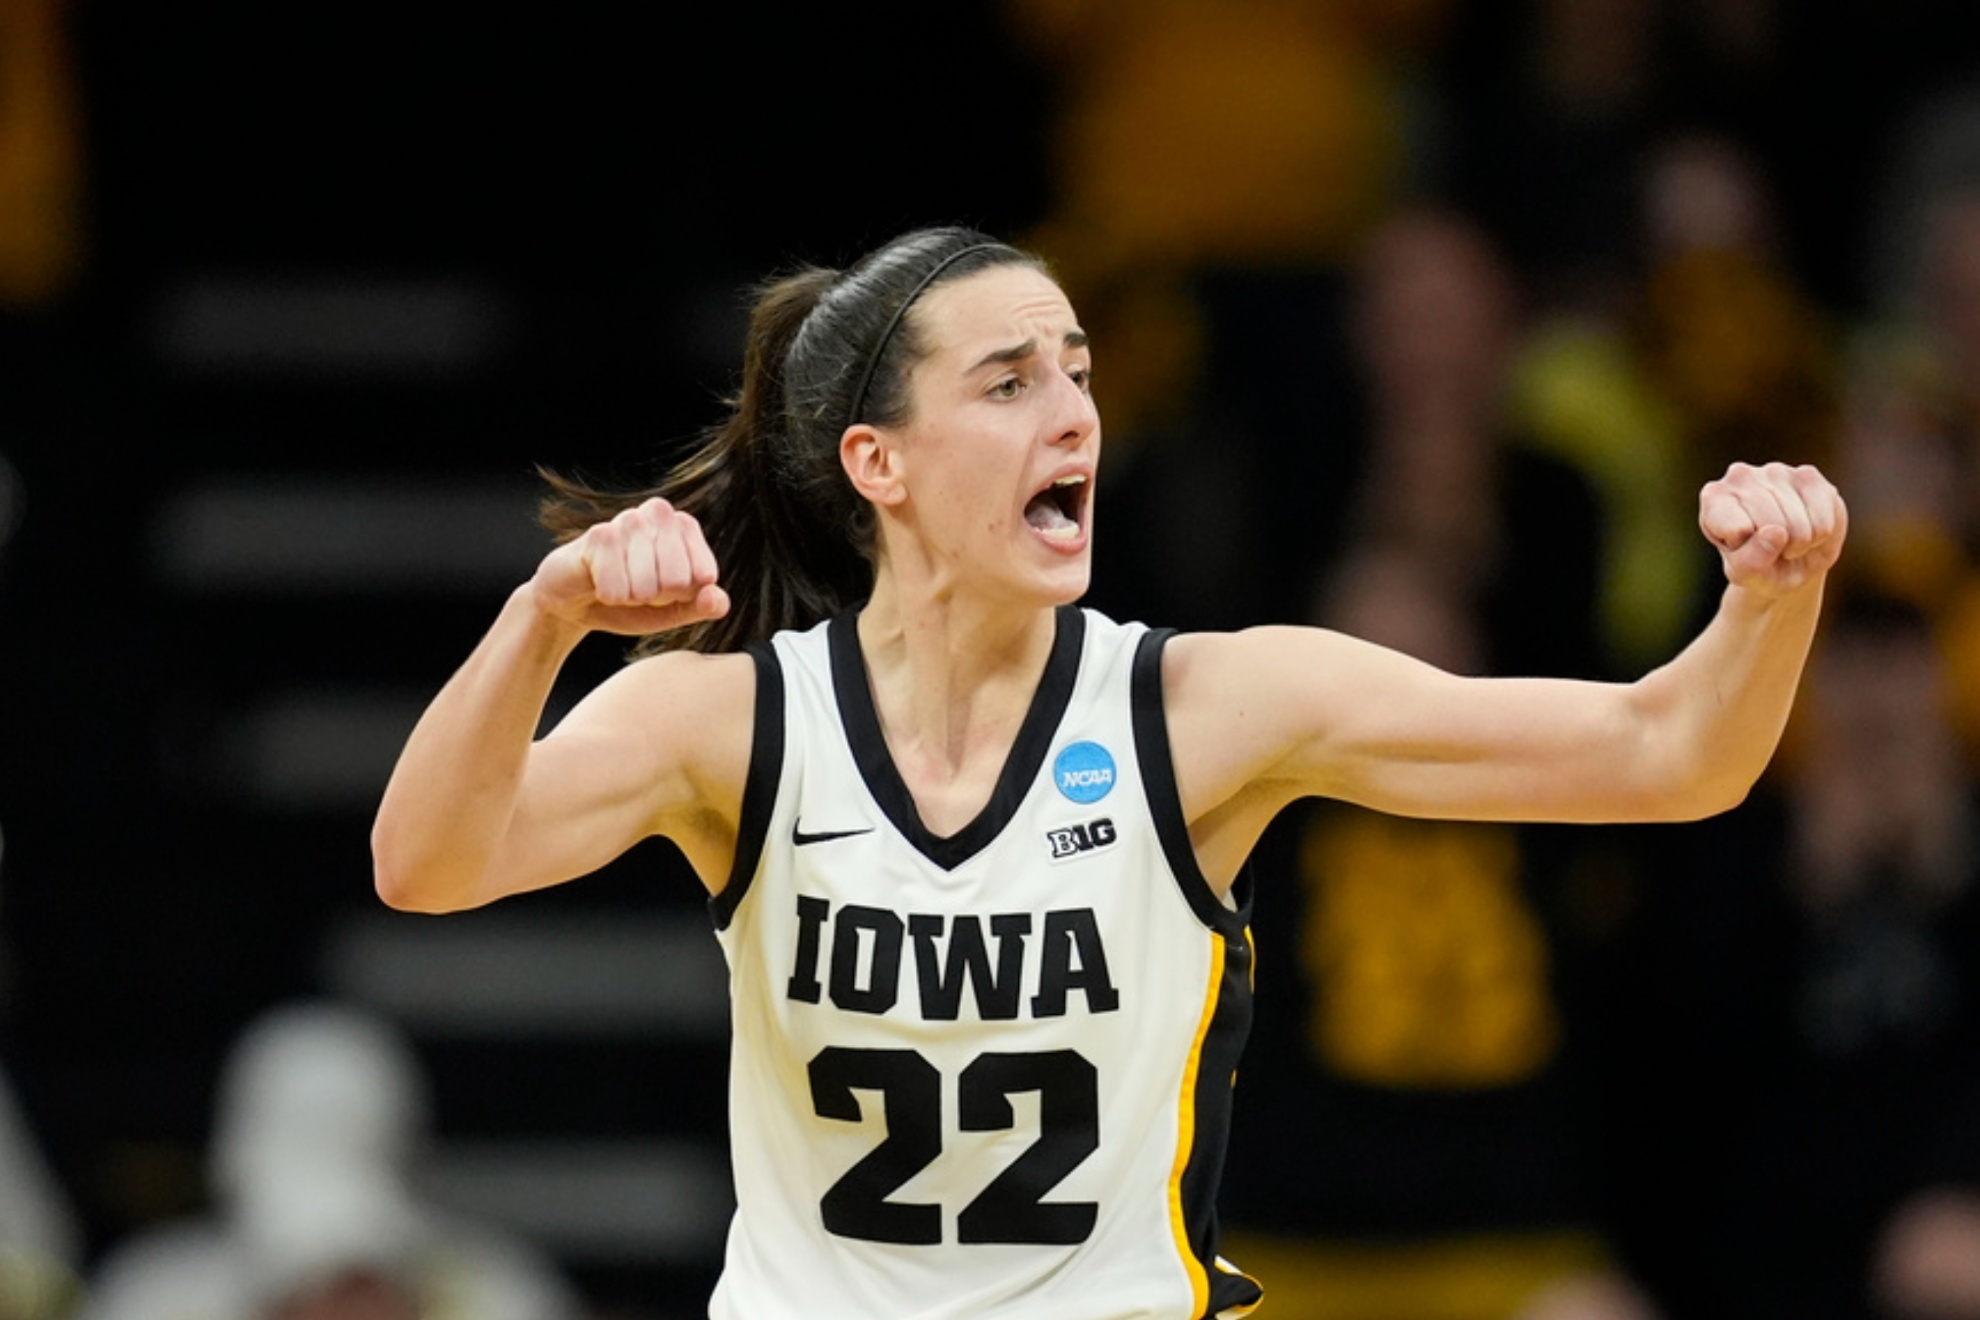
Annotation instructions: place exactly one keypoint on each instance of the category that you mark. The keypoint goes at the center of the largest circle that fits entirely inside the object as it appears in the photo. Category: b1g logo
(1084, 772)
(1088, 836)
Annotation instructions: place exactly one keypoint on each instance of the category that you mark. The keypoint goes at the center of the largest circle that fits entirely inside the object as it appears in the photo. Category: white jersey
(988, 1074)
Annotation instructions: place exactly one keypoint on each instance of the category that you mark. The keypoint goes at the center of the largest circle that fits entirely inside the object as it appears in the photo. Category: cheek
(980, 493)
(962, 507)
(971, 485)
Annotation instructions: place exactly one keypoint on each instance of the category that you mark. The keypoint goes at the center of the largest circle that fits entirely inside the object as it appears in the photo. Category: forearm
(454, 791)
(1714, 715)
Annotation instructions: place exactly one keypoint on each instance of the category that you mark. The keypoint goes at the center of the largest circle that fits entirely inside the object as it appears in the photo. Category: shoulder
(1225, 696)
(1220, 670)
(1270, 702)
(1244, 711)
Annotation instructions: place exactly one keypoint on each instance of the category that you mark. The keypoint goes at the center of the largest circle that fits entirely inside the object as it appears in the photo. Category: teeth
(1073, 480)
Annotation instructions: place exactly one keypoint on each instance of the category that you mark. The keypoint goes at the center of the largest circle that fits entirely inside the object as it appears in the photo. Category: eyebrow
(1019, 352)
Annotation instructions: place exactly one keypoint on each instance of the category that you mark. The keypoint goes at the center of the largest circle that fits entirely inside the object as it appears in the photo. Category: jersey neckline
(854, 693)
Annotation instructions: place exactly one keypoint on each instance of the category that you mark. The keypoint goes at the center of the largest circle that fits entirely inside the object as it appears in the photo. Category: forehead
(1003, 303)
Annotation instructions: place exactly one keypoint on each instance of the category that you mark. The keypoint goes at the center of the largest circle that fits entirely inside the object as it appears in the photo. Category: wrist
(547, 625)
(1770, 608)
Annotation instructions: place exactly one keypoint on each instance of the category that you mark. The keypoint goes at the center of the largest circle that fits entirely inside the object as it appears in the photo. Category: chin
(1070, 584)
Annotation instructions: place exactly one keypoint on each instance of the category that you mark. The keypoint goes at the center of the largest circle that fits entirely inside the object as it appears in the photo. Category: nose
(1077, 418)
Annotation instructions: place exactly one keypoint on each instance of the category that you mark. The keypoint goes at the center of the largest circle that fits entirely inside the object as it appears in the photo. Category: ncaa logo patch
(1084, 772)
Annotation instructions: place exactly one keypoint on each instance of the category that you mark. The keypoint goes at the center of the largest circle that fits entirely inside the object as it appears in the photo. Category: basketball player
(975, 854)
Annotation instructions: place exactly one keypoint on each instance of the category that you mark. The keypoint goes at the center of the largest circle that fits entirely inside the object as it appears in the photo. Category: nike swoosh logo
(799, 838)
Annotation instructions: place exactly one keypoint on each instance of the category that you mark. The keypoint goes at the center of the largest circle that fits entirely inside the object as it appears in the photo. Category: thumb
(711, 602)
(1770, 540)
(1759, 560)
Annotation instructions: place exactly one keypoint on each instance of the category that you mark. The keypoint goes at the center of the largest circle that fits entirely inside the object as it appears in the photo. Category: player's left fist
(1777, 528)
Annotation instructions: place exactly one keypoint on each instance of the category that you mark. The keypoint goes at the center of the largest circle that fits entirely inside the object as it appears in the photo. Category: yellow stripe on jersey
(1199, 1281)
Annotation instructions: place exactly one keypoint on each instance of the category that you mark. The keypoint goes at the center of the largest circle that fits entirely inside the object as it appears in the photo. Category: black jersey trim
(883, 778)
(1230, 1022)
(1232, 1292)
(1158, 777)
(766, 768)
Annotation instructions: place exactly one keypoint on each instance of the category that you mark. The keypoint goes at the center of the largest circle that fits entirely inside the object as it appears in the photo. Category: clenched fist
(647, 570)
(1776, 528)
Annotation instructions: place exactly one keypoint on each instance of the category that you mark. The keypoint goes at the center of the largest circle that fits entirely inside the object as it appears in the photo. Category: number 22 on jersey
(1012, 1208)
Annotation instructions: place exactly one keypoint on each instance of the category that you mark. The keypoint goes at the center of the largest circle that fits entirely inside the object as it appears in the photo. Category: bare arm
(1265, 716)
(478, 808)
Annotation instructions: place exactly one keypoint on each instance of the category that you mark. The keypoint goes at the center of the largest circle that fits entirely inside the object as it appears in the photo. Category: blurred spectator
(321, 1118)
(1807, 1020)
(1745, 357)
(1434, 323)
(1639, 261)
(1708, 351)
(1411, 1142)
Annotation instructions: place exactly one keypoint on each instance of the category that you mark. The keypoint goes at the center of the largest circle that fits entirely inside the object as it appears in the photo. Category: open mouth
(1060, 509)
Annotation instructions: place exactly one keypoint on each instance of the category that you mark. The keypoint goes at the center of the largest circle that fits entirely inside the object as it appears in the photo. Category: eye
(1082, 376)
(1010, 387)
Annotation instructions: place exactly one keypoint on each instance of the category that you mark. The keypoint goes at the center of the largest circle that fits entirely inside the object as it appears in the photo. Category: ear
(872, 460)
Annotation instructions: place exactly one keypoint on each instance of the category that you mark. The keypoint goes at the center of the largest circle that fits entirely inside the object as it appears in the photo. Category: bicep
(661, 748)
(1283, 713)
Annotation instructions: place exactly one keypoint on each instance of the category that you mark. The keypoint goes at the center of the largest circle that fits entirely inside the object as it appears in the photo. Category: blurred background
(1420, 318)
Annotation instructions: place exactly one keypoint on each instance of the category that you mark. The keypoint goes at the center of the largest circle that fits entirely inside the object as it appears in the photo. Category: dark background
(595, 186)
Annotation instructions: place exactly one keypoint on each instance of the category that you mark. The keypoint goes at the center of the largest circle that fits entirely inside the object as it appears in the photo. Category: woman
(970, 845)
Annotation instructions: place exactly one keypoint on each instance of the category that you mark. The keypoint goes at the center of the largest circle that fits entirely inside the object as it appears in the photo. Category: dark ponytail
(794, 542)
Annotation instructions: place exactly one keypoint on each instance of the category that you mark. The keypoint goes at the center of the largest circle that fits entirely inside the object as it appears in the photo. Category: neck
(952, 681)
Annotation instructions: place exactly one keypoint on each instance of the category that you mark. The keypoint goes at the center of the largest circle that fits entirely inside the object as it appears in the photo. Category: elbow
(391, 880)
(395, 889)
(1725, 796)
(1702, 804)
(1690, 766)
(392, 888)
(405, 887)
(1684, 799)
(402, 894)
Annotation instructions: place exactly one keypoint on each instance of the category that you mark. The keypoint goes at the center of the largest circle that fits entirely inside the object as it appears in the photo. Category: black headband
(894, 322)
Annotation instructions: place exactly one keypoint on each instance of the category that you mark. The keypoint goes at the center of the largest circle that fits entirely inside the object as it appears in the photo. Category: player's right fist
(647, 570)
